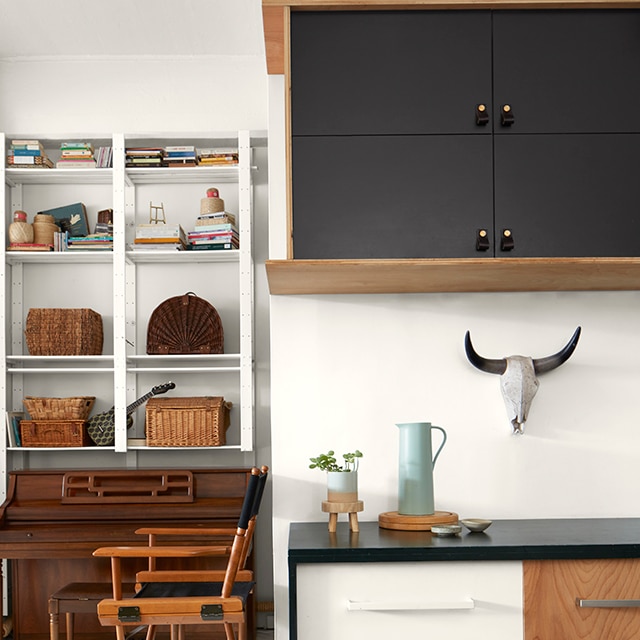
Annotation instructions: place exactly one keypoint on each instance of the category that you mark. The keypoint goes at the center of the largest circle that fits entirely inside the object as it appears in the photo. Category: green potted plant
(342, 479)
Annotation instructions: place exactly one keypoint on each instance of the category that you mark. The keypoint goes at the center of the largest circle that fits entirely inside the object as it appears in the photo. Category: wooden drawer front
(552, 587)
(407, 600)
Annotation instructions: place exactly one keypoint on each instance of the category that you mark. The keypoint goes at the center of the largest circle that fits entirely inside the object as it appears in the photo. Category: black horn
(484, 364)
(542, 365)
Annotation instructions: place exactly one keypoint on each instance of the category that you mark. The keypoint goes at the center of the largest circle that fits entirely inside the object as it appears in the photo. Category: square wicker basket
(187, 422)
(77, 408)
(64, 332)
(54, 433)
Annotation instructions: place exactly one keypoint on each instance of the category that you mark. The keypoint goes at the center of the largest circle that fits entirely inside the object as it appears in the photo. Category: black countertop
(542, 539)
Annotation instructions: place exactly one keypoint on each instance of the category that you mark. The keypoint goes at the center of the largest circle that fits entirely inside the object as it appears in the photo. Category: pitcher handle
(444, 439)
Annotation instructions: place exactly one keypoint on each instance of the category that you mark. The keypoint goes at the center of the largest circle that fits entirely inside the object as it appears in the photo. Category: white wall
(345, 369)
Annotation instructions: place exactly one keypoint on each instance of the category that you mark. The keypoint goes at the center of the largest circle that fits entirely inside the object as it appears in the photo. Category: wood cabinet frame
(292, 276)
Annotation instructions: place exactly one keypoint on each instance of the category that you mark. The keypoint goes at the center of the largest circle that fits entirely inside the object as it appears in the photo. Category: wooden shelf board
(432, 275)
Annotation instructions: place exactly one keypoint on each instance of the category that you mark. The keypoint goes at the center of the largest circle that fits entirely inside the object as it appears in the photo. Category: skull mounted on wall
(518, 376)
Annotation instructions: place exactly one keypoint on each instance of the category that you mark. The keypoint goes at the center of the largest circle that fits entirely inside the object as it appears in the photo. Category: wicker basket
(184, 325)
(59, 408)
(64, 332)
(187, 422)
(54, 433)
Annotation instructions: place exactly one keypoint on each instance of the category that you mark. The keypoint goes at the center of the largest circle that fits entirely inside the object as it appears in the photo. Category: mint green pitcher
(415, 487)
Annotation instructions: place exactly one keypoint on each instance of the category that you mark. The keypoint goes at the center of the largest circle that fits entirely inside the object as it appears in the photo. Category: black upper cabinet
(415, 131)
(567, 71)
(389, 72)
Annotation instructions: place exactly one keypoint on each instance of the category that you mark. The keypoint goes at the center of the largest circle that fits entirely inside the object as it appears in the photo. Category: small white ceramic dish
(444, 530)
(476, 524)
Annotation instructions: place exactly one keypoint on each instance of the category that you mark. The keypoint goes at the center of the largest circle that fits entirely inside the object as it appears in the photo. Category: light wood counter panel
(431, 275)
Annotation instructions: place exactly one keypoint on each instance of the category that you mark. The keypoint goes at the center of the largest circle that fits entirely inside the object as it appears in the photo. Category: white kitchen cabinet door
(401, 600)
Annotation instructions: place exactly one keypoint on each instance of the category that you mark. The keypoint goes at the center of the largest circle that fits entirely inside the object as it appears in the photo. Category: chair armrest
(244, 575)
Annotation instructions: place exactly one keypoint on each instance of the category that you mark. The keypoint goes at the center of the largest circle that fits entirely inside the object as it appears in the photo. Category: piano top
(70, 513)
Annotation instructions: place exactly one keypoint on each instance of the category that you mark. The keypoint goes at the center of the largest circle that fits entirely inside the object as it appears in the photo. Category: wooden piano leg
(54, 619)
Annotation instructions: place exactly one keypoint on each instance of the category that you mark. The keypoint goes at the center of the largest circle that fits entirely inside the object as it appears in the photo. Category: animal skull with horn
(518, 376)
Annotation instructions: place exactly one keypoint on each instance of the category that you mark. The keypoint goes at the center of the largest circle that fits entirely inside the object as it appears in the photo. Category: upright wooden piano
(52, 521)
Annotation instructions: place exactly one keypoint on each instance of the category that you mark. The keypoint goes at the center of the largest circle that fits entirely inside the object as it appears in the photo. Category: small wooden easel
(334, 508)
(156, 214)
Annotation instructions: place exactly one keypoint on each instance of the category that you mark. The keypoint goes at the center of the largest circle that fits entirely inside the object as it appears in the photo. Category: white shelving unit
(124, 286)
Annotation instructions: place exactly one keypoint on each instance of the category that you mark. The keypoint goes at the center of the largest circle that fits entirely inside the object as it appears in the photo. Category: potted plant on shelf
(342, 480)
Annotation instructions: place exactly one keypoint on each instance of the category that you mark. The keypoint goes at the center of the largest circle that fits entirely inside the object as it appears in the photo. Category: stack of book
(143, 156)
(160, 236)
(180, 156)
(214, 231)
(76, 155)
(28, 154)
(217, 157)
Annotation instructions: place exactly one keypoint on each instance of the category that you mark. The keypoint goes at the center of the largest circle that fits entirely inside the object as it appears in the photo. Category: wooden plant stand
(334, 508)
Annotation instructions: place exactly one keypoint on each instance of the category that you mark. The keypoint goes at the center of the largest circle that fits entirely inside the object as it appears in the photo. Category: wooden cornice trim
(275, 20)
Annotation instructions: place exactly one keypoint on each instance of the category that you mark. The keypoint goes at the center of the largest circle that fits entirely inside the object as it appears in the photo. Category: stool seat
(78, 597)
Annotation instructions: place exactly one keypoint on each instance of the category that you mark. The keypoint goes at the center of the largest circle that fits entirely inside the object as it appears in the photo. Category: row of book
(73, 155)
(179, 156)
(216, 231)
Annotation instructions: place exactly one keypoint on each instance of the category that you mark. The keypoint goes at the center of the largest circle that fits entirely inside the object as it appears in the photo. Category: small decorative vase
(20, 231)
(342, 486)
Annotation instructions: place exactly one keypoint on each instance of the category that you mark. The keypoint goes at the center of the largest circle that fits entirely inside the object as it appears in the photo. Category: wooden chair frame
(225, 608)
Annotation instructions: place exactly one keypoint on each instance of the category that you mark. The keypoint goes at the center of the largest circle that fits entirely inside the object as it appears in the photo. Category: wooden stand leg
(350, 508)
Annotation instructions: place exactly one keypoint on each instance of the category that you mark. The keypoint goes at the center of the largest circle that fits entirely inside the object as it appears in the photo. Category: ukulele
(101, 427)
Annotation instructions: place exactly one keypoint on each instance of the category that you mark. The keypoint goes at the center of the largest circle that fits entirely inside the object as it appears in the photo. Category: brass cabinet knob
(506, 241)
(482, 240)
(482, 115)
(506, 115)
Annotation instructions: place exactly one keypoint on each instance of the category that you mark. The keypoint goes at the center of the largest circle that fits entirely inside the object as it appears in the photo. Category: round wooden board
(394, 520)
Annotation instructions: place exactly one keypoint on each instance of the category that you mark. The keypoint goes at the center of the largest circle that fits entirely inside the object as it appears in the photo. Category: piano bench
(78, 597)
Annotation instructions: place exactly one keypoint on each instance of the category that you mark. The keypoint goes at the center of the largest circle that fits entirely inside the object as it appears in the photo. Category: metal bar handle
(607, 604)
(368, 605)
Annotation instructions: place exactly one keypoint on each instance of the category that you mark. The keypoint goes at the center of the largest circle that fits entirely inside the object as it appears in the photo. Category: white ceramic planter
(342, 486)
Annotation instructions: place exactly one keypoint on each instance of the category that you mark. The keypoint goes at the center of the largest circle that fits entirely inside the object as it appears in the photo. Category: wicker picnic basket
(77, 408)
(64, 332)
(54, 433)
(185, 324)
(187, 422)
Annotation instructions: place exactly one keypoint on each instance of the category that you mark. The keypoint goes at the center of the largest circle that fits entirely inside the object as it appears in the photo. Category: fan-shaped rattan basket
(185, 325)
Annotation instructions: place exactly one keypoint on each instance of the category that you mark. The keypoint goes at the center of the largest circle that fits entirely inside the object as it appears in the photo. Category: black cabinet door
(574, 71)
(568, 195)
(389, 72)
(391, 196)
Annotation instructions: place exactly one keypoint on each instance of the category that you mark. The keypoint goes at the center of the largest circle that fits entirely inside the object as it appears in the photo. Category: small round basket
(185, 324)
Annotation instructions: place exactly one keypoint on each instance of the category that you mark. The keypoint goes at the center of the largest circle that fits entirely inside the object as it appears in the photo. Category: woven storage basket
(59, 408)
(54, 433)
(187, 422)
(185, 325)
(64, 332)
